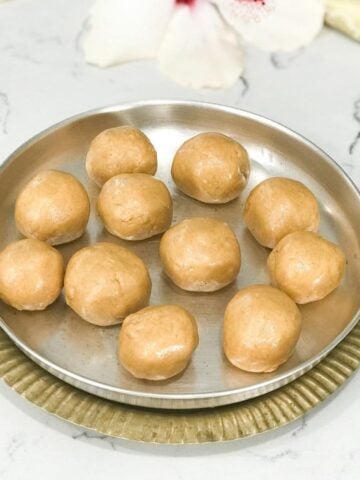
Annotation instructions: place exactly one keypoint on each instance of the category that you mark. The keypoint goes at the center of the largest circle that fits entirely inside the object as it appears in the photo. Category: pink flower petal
(274, 24)
(199, 49)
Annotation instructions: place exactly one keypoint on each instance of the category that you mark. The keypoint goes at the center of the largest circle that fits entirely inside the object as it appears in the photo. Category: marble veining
(15, 443)
(51, 39)
(289, 453)
(243, 89)
(4, 111)
(90, 436)
(20, 52)
(80, 35)
(284, 59)
(13, 448)
(356, 115)
(300, 429)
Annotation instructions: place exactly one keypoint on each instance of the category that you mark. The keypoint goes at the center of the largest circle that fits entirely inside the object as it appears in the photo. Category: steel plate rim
(277, 381)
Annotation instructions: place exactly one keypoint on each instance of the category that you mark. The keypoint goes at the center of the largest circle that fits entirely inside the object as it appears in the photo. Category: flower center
(191, 2)
(252, 10)
(185, 2)
(261, 2)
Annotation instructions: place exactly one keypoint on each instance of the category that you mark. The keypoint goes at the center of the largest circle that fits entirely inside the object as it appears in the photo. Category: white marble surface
(43, 79)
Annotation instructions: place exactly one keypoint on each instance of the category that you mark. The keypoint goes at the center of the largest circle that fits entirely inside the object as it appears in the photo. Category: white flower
(197, 42)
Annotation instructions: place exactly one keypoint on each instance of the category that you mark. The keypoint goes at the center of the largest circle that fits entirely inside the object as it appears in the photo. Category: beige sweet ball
(53, 207)
(105, 282)
(278, 206)
(157, 342)
(211, 167)
(261, 328)
(200, 254)
(119, 150)
(306, 266)
(135, 206)
(31, 274)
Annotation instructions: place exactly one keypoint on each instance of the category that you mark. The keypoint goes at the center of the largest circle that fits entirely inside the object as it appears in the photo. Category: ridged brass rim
(241, 420)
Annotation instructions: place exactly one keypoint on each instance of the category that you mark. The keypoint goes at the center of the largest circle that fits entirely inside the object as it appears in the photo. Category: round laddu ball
(31, 274)
(261, 328)
(53, 207)
(117, 150)
(157, 342)
(200, 254)
(306, 266)
(211, 167)
(105, 282)
(279, 206)
(135, 206)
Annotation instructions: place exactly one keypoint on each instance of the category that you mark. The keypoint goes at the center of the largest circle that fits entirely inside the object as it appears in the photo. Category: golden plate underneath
(232, 422)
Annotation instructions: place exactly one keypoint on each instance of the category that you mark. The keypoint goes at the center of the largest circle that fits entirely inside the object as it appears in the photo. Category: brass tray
(85, 356)
(245, 419)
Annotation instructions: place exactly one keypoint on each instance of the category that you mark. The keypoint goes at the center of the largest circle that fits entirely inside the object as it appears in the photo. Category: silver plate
(84, 355)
